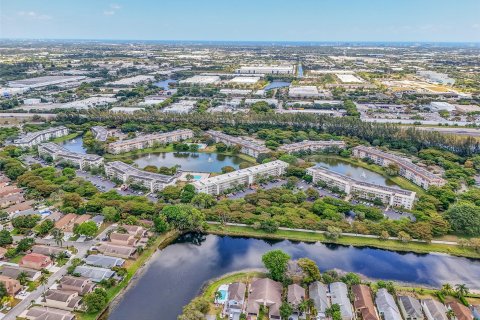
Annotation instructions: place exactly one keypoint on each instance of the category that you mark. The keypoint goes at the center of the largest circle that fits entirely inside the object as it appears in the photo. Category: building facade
(100, 133)
(129, 174)
(35, 138)
(364, 190)
(59, 153)
(219, 184)
(247, 147)
(309, 145)
(149, 140)
(408, 170)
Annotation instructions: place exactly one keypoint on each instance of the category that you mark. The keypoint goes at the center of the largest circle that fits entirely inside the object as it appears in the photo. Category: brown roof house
(43, 313)
(295, 296)
(114, 250)
(136, 231)
(49, 250)
(35, 261)
(461, 312)
(363, 302)
(65, 300)
(265, 292)
(81, 285)
(123, 239)
(12, 285)
(236, 299)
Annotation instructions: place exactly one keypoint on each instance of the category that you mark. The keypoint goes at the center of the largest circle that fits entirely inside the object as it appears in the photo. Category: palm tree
(43, 280)
(447, 288)
(461, 290)
(22, 278)
(58, 236)
(218, 295)
(450, 314)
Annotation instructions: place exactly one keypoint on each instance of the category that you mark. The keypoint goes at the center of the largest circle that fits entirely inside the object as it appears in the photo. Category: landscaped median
(160, 242)
(357, 241)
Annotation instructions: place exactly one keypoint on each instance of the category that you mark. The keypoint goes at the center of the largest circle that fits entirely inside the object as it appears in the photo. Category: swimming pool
(223, 291)
(195, 177)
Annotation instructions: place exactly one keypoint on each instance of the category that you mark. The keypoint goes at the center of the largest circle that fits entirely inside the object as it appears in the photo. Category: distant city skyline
(244, 20)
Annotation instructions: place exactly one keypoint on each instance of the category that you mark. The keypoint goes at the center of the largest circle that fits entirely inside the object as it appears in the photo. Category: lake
(189, 161)
(276, 84)
(75, 145)
(175, 274)
(164, 84)
(355, 172)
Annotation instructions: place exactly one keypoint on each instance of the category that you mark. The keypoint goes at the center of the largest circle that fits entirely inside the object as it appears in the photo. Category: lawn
(67, 137)
(161, 241)
(419, 247)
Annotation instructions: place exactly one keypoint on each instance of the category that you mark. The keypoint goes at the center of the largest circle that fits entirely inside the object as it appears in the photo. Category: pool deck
(197, 176)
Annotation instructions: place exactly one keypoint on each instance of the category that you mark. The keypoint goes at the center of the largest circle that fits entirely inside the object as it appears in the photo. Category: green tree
(310, 268)
(276, 263)
(87, 228)
(5, 238)
(285, 311)
(203, 200)
(44, 227)
(57, 236)
(95, 301)
(160, 223)
(184, 217)
(464, 219)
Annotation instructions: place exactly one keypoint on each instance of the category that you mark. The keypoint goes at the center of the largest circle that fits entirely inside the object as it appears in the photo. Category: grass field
(67, 137)
(418, 247)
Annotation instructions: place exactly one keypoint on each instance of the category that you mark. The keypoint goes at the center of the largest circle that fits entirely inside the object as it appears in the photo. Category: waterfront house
(339, 295)
(295, 296)
(94, 273)
(265, 292)
(411, 308)
(123, 239)
(318, 294)
(136, 231)
(81, 285)
(461, 312)
(35, 261)
(434, 310)
(386, 306)
(363, 302)
(236, 299)
(43, 313)
(99, 260)
(65, 300)
(113, 250)
(11, 285)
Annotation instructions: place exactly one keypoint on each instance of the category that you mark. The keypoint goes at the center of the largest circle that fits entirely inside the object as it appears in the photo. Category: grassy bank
(418, 247)
(401, 182)
(67, 137)
(161, 242)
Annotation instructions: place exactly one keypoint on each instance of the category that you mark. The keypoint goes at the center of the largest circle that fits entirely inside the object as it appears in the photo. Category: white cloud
(112, 9)
(109, 12)
(115, 6)
(34, 15)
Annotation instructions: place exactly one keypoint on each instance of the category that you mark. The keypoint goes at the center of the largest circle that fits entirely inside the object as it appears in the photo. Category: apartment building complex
(309, 145)
(35, 138)
(59, 153)
(129, 174)
(149, 140)
(247, 147)
(408, 170)
(364, 190)
(218, 184)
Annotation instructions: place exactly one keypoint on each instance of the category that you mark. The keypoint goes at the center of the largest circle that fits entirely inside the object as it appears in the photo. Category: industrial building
(309, 145)
(131, 175)
(363, 190)
(244, 177)
(34, 138)
(247, 147)
(40, 82)
(201, 80)
(408, 170)
(58, 153)
(285, 69)
(149, 140)
(303, 92)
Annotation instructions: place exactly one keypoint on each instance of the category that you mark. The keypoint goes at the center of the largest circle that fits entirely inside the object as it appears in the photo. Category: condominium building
(129, 174)
(408, 170)
(149, 140)
(364, 190)
(34, 138)
(309, 145)
(247, 147)
(100, 133)
(218, 184)
(59, 153)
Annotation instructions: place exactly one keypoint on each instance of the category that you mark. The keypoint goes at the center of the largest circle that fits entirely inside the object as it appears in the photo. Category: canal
(175, 274)
(189, 161)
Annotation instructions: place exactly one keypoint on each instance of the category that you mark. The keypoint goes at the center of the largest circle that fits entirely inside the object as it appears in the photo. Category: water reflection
(75, 145)
(177, 272)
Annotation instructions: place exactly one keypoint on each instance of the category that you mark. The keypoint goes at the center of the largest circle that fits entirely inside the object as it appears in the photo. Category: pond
(276, 84)
(175, 274)
(355, 172)
(75, 145)
(189, 161)
(164, 84)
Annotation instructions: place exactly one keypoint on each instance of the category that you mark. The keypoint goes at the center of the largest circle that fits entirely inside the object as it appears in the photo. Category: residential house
(363, 302)
(295, 296)
(11, 285)
(236, 299)
(2, 252)
(386, 306)
(113, 250)
(265, 292)
(136, 231)
(434, 310)
(99, 260)
(81, 285)
(339, 295)
(65, 300)
(14, 271)
(411, 308)
(23, 206)
(318, 294)
(44, 313)
(94, 273)
(461, 312)
(49, 250)
(35, 261)
(123, 239)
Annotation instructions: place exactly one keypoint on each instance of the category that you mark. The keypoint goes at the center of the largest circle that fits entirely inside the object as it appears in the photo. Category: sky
(243, 20)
